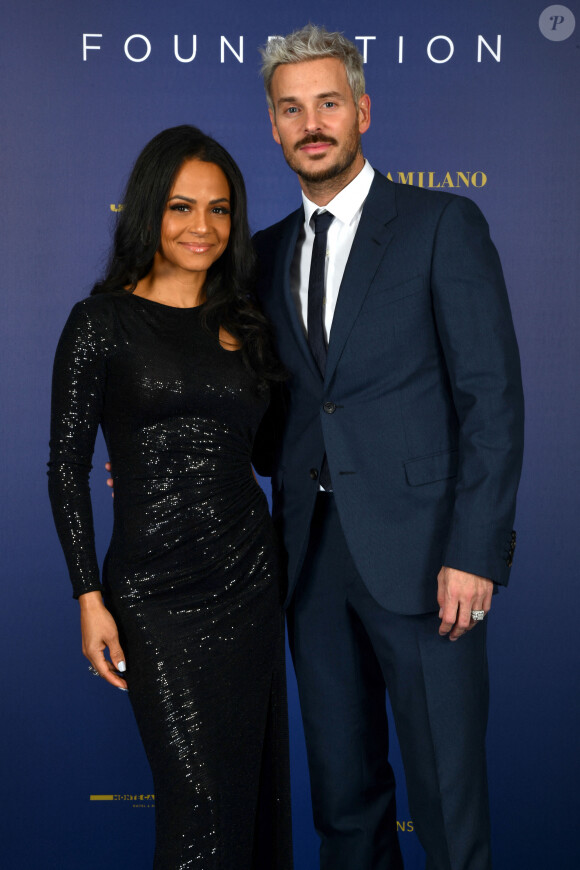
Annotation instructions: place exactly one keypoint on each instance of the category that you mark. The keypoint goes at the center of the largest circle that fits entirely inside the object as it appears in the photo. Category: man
(395, 478)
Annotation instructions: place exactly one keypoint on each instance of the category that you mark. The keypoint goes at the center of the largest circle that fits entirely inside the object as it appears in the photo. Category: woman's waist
(155, 520)
(179, 465)
(185, 486)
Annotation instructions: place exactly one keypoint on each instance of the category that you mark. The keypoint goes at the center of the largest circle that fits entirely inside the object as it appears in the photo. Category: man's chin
(316, 168)
(320, 168)
(316, 175)
(310, 165)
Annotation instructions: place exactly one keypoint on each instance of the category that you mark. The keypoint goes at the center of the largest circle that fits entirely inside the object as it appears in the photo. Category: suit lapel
(282, 278)
(370, 244)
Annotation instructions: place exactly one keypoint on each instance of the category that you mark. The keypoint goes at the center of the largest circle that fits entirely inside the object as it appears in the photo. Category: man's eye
(329, 104)
(291, 110)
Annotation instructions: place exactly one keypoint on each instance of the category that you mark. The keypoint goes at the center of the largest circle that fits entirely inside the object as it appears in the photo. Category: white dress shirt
(347, 209)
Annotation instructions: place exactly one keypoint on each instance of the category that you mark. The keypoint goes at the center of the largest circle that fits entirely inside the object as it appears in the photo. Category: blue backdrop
(478, 97)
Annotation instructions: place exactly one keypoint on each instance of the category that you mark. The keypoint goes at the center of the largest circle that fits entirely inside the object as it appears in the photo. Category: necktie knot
(322, 220)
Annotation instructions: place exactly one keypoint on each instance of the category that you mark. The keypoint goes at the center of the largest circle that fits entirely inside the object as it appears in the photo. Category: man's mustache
(312, 139)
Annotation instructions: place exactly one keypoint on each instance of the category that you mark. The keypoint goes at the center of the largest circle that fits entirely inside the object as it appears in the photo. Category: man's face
(316, 120)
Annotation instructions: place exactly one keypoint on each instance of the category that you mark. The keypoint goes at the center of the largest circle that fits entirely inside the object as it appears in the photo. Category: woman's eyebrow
(193, 201)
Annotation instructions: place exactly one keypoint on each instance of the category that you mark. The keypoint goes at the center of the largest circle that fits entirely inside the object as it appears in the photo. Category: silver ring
(477, 615)
(94, 671)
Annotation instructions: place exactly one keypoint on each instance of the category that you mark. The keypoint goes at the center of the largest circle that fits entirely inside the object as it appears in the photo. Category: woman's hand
(110, 481)
(99, 631)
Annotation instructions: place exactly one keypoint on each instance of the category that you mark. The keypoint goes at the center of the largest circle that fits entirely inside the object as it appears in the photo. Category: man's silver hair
(310, 43)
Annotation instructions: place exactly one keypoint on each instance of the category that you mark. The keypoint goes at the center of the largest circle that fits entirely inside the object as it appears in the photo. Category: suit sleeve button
(314, 473)
(329, 407)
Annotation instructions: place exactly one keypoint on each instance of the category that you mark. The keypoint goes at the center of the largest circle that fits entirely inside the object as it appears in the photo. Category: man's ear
(364, 113)
(275, 133)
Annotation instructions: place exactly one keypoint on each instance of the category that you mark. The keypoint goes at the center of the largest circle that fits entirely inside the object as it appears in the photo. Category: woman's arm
(77, 402)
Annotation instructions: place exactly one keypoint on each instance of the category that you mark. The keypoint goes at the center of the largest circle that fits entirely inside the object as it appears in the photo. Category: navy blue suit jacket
(421, 409)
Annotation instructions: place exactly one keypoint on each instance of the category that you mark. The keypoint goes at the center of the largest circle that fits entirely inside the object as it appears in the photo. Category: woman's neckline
(165, 305)
(177, 308)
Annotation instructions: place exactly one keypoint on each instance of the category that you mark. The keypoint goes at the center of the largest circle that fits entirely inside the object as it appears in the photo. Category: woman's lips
(200, 248)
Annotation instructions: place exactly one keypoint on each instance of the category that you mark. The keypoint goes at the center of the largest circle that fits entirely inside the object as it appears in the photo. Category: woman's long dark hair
(228, 289)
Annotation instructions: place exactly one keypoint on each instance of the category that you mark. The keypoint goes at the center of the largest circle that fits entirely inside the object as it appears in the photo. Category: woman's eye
(179, 207)
(221, 209)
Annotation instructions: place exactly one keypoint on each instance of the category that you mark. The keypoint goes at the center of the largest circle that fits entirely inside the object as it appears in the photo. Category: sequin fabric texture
(192, 571)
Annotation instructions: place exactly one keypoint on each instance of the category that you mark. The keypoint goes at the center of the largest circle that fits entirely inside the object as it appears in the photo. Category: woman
(171, 357)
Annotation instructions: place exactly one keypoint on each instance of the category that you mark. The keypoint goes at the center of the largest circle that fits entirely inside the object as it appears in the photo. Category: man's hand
(459, 593)
(110, 481)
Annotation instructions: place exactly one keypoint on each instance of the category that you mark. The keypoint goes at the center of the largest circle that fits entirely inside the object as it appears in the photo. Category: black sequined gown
(191, 575)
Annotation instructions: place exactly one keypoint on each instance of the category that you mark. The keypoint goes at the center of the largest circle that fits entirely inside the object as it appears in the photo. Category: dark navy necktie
(316, 294)
(316, 304)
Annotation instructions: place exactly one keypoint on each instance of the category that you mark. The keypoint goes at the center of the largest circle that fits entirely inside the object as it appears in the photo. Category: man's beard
(345, 160)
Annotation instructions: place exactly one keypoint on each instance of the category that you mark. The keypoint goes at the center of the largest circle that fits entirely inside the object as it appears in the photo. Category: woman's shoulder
(96, 317)
(100, 308)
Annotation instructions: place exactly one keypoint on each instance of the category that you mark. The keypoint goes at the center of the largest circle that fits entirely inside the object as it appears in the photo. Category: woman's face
(196, 223)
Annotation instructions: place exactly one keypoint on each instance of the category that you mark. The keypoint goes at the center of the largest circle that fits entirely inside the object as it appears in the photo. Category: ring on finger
(477, 615)
(94, 671)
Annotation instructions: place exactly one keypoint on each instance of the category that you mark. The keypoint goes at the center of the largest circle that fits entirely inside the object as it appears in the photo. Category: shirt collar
(347, 203)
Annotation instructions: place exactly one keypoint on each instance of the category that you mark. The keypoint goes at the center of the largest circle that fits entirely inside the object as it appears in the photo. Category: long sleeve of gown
(77, 401)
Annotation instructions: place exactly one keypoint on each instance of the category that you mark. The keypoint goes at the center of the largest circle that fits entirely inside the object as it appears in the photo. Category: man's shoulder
(409, 197)
(270, 235)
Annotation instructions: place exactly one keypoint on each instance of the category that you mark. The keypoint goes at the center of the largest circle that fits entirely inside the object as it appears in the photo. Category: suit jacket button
(329, 407)
(314, 473)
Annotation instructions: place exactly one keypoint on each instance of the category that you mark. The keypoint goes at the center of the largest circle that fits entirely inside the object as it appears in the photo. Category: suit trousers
(347, 651)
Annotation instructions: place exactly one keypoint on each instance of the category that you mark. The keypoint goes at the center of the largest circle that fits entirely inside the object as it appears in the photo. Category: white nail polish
(122, 667)
(121, 689)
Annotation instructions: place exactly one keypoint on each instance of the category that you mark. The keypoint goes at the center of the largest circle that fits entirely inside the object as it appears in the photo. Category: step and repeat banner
(480, 99)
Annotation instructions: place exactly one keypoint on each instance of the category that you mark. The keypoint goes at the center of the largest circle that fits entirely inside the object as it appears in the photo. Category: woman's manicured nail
(122, 667)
